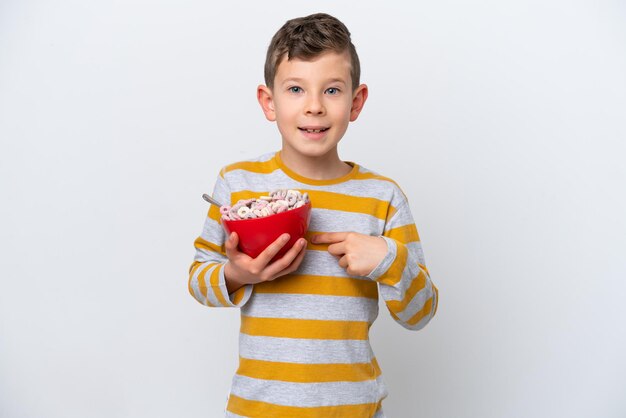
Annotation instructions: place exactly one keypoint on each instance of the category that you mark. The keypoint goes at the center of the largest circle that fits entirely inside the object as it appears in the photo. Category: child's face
(313, 95)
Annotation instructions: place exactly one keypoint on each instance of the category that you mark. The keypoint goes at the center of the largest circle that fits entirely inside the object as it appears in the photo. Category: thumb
(231, 243)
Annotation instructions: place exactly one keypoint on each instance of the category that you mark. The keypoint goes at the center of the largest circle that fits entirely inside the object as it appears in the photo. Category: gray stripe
(213, 232)
(379, 414)
(402, 217)
(387, 260)
(411, 270)
(221, 192)
(415, 247)
(417, 303)
(397, 291)
(322, 263)
(306, 394)
(211, 296)
(307, 351)
(196, 290)
(231, 415)
(240, 179)
(324, 307)
(327, 220)
(421, 324)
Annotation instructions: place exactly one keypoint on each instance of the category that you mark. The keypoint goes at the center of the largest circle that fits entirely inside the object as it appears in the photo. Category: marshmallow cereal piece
(243, 211)
(278, 201)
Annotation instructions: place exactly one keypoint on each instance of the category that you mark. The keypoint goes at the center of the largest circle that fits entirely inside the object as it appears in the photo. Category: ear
(358, 100)
(266, 100)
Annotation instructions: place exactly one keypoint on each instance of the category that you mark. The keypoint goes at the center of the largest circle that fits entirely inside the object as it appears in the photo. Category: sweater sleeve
(206, 274)
(404, 280)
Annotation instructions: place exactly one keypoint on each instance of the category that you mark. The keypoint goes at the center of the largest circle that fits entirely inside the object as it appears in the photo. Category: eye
(332, 90)
(295, 89)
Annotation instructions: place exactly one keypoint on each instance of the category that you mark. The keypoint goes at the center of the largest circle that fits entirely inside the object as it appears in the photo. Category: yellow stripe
(306, 373)
(201, 281)
(404, 234)
(215, 280)
(261, 167)
(437, 298)
(214, 213)
(424, 268)
(320, 285)
(395, 316)
(376, 366)
(203, 244)
(346, 203)
(305, 328)
(192, 269)
(249, 408)
(315, 247)
(422, 313)
(394, 273)
(194, 266)
(332, 201)
(371, 176)
(238, 295)
(417, 284)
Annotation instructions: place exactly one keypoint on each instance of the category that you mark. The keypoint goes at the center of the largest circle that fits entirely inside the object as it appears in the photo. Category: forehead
(329, 65)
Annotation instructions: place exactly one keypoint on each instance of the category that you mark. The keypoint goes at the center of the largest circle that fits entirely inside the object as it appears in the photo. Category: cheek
(286, 119)
(286, 111)
(341, 108)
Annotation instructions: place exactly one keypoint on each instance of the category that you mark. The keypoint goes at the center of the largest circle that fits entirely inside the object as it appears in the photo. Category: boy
(303, 345)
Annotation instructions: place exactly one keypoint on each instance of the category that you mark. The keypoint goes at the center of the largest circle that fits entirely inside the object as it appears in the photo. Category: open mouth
(311, 131)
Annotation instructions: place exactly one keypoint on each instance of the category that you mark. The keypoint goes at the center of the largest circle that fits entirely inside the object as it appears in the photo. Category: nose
(314, 105)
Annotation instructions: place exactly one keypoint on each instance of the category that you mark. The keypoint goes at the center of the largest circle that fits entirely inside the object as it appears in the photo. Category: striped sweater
(304, 348)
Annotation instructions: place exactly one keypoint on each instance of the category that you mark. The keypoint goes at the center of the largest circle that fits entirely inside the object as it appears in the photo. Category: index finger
(329, 237)
(268, 253)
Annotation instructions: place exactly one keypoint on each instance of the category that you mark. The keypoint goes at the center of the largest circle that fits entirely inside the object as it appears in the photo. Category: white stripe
(323, 307)
(306, 394)
(302, 350)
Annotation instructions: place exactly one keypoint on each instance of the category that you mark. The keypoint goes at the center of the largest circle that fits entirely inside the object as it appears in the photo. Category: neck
(324, 167)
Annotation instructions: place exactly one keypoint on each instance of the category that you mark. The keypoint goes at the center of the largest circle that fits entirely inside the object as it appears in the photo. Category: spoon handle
(211, 200)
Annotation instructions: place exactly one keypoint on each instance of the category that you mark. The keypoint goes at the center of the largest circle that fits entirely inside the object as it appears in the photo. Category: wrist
(232, 283)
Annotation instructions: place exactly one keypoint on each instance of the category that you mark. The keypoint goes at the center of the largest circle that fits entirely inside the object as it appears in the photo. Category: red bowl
(256, 234)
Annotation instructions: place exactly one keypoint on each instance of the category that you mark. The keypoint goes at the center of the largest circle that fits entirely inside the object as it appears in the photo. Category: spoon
(211, 200)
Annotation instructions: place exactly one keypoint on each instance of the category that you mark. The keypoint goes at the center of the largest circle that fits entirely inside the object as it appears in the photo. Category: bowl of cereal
(259, 222)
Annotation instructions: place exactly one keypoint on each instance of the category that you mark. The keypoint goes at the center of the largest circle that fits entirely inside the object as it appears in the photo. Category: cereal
(278, 201)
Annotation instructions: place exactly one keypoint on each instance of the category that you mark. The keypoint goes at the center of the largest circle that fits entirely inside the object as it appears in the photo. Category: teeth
(315, 130)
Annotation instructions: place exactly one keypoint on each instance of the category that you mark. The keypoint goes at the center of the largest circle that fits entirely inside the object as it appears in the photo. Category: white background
(504, 123)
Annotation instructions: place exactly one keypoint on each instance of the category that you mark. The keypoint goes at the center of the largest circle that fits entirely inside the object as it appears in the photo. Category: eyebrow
(299, 80)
